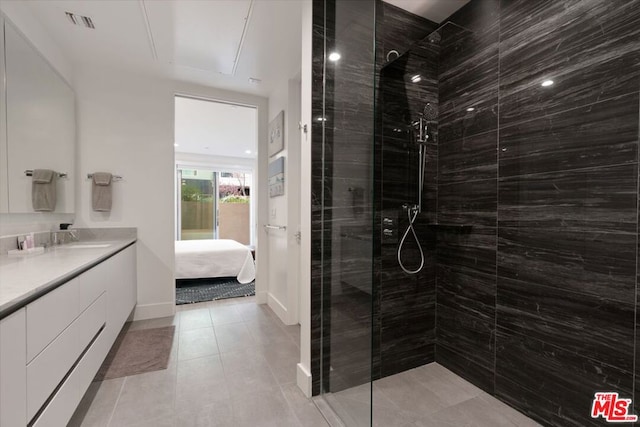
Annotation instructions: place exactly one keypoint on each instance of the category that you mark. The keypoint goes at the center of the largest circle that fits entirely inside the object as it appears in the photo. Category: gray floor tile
(233, 337)
(240, 360)
(263, 409)
(251, 380)
(195, 319)
(145, 397)
(197, 343)
(98, 404)
(268, 332)
(451, 389)
(224, 314)
(306, 412)
(218, 414)
(409, 395)
(200, 383)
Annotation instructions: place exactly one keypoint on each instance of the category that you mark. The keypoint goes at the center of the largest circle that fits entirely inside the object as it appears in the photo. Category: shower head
(430, 112)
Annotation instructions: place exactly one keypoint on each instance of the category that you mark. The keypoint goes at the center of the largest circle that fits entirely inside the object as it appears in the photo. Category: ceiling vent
(83, 21)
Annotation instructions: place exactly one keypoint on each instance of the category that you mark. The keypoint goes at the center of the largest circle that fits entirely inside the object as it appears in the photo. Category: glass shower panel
(347, 124)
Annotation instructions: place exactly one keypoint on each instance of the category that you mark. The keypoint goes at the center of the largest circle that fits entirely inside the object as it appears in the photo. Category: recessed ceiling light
(416, 78)
(247, 151)
(321, 119)
(547, 83)
(470, 109)
(334, 56)
(176, 145)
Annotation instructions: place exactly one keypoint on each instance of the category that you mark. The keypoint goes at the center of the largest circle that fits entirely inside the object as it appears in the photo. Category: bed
(197, 259)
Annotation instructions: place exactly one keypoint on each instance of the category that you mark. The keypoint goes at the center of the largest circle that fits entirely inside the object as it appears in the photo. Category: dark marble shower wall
(342, 194)
(343, 259)
(537, 304)
(405, 304)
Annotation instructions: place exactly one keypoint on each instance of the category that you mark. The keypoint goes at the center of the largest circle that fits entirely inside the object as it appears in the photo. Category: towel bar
(114, 177)
(275, 227)
(29, 172)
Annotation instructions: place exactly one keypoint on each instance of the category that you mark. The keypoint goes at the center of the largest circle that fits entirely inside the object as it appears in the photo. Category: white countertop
(26, 277)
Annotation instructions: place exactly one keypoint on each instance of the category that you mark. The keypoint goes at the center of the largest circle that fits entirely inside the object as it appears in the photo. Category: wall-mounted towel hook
(29, 172)
(114, 177)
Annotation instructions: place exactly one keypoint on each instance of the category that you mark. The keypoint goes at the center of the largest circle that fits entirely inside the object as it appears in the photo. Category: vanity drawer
(94, 284)
(60, 409)
(91, 320)
(50, 314)
(48, 369)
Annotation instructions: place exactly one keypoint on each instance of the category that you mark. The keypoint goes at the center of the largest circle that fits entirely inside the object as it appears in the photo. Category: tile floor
(428, 396)
(233, 363)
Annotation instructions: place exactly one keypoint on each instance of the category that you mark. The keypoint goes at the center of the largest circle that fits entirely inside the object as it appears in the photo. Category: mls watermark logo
(612, 408)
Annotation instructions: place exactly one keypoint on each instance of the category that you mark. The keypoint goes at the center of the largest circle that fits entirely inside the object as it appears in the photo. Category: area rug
(137, 352)
(189, 291)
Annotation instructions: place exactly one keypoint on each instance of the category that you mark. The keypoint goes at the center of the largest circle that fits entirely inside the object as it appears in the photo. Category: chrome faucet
(60, 237)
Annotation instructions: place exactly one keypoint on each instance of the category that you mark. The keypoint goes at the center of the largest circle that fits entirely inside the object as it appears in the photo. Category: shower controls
(387, 232)
(387, 221)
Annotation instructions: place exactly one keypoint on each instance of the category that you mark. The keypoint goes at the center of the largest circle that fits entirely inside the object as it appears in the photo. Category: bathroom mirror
(40, 125)
(4, 188)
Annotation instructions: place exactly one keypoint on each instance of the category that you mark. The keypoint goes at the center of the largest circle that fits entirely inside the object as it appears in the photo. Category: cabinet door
(13, 370)
(121, 292)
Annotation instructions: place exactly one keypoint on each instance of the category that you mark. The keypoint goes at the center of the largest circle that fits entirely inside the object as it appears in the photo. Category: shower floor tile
(428, 396)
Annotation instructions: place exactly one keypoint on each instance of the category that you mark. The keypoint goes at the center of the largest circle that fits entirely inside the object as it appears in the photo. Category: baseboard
(278, 308)
(151, 311)
(261, 297)
(303, 379)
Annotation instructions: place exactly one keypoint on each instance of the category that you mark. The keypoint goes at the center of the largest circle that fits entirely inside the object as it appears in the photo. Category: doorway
(215, 166)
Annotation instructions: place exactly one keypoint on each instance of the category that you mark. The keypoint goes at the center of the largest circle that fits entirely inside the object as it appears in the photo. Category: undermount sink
(85, 246)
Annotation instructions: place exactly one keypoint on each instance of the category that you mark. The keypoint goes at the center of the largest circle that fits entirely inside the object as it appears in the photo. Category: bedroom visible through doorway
(216, 164)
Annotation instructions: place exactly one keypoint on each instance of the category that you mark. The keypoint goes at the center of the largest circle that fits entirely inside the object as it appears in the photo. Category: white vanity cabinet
(52, 348)
(13, 369)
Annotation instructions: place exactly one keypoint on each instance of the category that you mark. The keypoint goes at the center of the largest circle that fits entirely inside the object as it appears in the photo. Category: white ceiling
(188, 40)
(215, 128)
(434, 10)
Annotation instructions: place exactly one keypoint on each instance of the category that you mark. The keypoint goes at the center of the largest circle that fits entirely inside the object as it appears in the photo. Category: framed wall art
(276, 134)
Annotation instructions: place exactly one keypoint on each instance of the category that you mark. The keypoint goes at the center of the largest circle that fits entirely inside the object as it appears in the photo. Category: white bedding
(214, 258)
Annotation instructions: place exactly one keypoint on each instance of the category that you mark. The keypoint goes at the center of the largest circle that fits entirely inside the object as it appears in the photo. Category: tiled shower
(529, 226)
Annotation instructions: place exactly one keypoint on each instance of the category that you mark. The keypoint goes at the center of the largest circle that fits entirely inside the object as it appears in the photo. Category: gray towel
(43, 190)
(101, 192)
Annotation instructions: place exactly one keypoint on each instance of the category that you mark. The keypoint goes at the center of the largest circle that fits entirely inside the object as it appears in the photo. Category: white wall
(126, 126)
(277, 239)
(304, 367)
(283, 283)
(19, 12)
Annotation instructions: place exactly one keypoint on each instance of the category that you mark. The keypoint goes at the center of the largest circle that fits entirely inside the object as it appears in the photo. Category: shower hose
(412, 219)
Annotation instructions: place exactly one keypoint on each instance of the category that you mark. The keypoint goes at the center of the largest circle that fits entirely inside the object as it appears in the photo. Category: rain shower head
(435, 37)
(430, 112)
